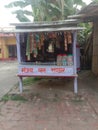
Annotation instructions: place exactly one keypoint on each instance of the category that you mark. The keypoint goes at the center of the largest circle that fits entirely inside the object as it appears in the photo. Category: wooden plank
(71, 76)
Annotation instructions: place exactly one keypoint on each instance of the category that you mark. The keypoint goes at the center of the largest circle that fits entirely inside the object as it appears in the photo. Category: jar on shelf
(64, 60)
(59, 59)
(70, 60)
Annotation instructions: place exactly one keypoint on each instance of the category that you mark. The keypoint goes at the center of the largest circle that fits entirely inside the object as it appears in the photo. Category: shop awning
(68, 25)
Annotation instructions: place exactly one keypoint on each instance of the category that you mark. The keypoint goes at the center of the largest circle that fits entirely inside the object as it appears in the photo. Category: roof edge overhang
(65, 25)
(42, 30)
(46, 23)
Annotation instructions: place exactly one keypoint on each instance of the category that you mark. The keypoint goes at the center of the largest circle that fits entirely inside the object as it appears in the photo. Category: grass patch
(30, 80)
(14, 97)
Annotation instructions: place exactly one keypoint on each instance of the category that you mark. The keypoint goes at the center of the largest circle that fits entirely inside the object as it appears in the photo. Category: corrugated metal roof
(70, 24)
(91, 9)
(88, 13)
(47, 23)
(41, 30)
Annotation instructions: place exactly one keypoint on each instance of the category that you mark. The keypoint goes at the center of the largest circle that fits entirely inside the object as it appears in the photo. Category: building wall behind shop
(1, 47)
(0, 52)
(95, 49)
(5, 41)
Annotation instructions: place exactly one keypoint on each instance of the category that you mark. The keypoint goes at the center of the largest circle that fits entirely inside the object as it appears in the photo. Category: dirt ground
(8, 71)
(51, 105)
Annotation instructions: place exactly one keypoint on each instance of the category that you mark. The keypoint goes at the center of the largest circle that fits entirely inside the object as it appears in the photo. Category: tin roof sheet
(88, 13)
(70, 24)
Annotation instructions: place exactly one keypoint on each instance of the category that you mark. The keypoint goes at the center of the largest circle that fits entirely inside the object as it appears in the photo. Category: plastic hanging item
(42, 38)
(59, 60)
(69, 38)
(31, 42)
(51, 47)
(28, 47)
(37, 38)
(65, 41)
(35, 52)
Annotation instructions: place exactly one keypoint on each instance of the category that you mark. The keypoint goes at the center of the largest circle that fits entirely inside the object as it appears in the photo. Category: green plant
(44, 10)
(84, 34)
(30, 80)
(14, 97)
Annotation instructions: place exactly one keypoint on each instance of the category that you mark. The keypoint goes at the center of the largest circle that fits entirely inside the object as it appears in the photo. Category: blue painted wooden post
(75, 63)
(18, 47)
(20, 84)
(19, 59)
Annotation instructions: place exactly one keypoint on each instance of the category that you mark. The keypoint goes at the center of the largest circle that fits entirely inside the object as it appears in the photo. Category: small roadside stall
(47, 49)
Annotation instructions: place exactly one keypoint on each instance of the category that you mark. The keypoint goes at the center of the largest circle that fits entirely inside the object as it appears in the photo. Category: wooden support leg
(75, 85)
(20, 84)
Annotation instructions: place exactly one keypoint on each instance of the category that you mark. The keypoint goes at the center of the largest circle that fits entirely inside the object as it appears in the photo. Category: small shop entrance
(12, 51)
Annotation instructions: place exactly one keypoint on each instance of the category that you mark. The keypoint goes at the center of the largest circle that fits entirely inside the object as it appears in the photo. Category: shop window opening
(0, 50)
(12, 51)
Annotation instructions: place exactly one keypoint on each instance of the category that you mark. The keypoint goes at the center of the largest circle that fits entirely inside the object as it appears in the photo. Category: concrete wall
(4, 42)
(95, 49)
(2, 48)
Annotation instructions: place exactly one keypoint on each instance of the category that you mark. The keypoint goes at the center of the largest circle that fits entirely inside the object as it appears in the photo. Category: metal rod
(18, 47)
(75, 64)
(75, 85)
(20, 85)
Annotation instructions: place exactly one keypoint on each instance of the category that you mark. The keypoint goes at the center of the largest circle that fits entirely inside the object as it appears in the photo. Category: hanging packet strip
(28, 47)
(65, 41)
(69, 38)
(34, 50)
(37, 38)
(42, 38)
(31, 42)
